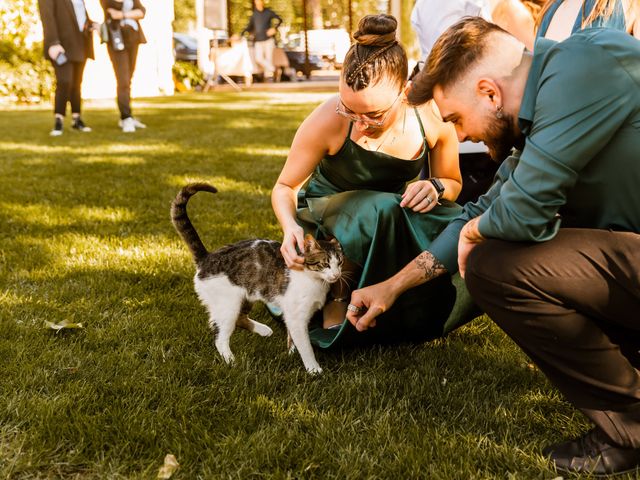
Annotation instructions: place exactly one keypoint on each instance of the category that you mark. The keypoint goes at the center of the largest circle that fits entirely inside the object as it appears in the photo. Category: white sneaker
(57, 128)
(128, 125)
(136, 123)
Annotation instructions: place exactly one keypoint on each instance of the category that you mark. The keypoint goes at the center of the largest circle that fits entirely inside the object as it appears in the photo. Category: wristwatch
(437, 184)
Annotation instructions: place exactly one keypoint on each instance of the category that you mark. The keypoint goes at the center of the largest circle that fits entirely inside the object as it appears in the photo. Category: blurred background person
(67, 44)
(262, 28)
(126, 35)
(430, 18)
(518, 18)
(560, 18)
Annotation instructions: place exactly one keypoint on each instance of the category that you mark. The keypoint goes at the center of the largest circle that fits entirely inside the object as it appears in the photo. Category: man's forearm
(423, 268)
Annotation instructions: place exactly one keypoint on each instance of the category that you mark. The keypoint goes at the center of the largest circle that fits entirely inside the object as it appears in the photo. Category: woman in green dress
(347, 174)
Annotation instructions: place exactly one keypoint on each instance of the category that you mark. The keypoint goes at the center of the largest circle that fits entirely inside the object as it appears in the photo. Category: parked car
(185, 48)
(296, 62)
(331, 45)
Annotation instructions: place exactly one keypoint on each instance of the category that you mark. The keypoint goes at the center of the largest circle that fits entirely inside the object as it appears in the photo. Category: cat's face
(324, 258)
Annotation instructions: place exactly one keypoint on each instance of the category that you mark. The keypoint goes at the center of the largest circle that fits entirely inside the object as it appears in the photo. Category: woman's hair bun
(376, 30)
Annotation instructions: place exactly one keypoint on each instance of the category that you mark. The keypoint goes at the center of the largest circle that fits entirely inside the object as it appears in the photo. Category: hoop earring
(499, 113)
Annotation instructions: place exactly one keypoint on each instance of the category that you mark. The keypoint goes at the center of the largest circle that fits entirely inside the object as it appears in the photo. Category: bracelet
(339, 299)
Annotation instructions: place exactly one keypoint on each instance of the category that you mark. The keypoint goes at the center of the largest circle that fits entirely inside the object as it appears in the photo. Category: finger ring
(429, 199)
(353, 308)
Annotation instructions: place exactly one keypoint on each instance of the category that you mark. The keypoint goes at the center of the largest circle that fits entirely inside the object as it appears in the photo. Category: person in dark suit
(123, 16)
(68, 44)
(263, 29)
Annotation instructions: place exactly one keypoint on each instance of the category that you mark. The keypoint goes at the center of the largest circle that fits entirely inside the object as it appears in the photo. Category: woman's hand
(115, 14)
(55, 50)
(293, 237)
(420, 196)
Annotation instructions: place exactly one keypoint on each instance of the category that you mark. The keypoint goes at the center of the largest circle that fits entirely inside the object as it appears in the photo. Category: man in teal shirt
(552, 251)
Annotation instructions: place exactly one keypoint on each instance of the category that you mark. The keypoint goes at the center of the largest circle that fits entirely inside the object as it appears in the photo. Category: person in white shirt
(430, 18)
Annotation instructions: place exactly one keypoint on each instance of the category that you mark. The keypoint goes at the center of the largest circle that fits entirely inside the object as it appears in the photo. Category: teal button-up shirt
(580, 166)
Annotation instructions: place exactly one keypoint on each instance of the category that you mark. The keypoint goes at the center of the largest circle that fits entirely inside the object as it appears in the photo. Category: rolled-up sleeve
(445, 246)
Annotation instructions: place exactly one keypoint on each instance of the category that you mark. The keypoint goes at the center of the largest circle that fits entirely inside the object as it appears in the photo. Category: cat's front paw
(314, 370)
(226, 354)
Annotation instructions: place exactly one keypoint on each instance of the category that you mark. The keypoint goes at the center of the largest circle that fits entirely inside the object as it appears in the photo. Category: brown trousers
(573, 305)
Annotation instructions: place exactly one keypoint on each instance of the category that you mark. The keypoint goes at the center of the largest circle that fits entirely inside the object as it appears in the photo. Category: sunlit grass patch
(48, 215)
(86, 237)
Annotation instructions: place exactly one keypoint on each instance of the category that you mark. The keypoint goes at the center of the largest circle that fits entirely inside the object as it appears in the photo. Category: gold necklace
(404, 121)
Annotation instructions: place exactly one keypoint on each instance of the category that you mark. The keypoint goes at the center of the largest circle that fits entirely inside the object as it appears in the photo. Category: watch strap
(438, 185)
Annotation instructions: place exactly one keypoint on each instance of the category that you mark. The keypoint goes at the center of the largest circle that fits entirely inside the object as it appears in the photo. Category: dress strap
(426, 170)
(350, 128)
(424, 134)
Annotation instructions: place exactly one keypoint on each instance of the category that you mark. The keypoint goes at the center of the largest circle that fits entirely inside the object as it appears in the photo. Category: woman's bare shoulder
(435, 128)
(325, 124)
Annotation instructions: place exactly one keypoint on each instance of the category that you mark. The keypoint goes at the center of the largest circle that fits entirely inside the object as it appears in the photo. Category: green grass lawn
(86, 237)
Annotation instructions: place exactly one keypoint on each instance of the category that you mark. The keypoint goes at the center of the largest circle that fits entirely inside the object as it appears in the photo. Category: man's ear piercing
(499, 113)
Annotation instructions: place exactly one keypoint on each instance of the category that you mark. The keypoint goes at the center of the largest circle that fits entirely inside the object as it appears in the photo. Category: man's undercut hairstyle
(376, 54)
(458, 49)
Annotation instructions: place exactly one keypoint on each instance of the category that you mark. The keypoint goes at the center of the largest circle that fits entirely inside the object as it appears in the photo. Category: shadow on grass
(87, 237)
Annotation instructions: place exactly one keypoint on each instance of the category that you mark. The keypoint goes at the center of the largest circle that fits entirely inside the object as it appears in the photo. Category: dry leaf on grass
(65, 324)
(169, 467)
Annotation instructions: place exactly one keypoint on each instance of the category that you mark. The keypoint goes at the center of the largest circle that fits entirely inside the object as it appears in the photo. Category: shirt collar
(528, 106)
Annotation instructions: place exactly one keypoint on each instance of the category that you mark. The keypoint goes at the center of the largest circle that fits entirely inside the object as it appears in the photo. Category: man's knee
(487, 266)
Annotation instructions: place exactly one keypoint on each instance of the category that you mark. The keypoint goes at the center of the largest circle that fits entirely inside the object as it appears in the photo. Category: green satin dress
(355, 197)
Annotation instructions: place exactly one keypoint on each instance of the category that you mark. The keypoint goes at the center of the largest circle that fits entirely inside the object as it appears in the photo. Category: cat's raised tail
(181, 220)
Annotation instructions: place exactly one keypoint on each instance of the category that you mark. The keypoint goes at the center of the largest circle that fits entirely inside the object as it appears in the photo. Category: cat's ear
(310, 243)
(334, 241)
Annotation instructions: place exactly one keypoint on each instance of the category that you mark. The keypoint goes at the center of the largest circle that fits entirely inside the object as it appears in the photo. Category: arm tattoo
(430, 264)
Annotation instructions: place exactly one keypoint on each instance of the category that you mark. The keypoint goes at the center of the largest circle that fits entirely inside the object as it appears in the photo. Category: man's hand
(271, 32)
(470, 237)
(369, 302)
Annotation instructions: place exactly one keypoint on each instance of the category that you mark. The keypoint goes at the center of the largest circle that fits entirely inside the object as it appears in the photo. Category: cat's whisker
(347, 278)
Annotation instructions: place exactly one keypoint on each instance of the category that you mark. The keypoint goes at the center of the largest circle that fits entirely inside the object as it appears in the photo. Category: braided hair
(376, 54)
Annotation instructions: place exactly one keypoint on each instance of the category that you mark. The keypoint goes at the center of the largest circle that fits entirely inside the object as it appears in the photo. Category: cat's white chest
(307, 288)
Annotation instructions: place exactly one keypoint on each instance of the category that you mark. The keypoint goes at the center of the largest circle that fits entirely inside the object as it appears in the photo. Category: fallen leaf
(64, 324)
(169, 467)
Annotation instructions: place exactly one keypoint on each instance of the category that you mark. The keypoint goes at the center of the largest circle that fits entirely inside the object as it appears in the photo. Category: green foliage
(184, 16)
(25, 75)
(26, 82)
(408, 35)
(86, 238)
(187, 75)
(335, 13)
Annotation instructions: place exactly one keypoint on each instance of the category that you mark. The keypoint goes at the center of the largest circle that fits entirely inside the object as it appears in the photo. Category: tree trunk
(316, 14)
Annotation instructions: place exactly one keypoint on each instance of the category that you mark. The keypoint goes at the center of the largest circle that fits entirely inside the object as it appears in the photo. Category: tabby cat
(229, 280)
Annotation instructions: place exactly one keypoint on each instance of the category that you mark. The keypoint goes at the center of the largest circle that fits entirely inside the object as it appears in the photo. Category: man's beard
(500, 137)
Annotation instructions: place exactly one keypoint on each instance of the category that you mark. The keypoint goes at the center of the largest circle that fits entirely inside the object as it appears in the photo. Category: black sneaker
(57, 128)
(79, 125)
(594, 454)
